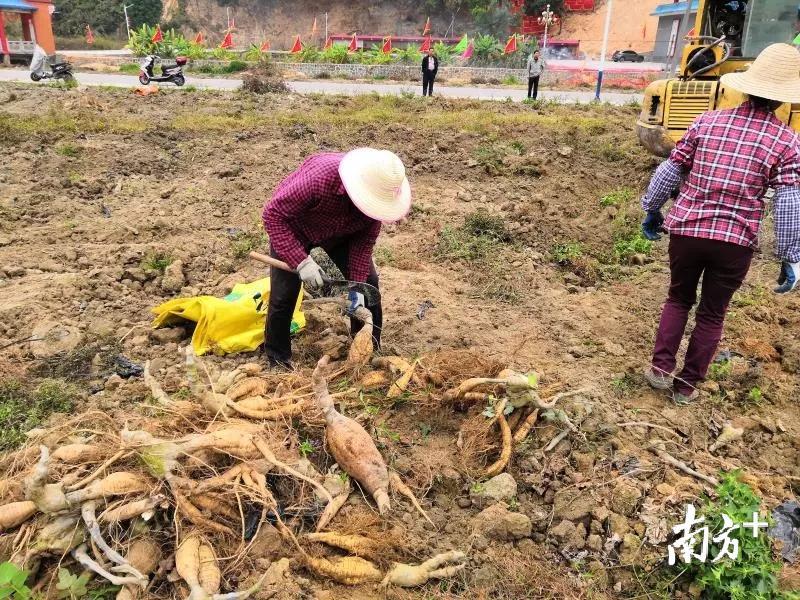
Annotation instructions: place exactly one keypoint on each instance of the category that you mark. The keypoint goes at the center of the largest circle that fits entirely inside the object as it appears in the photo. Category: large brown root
(403, 575)
(351, 445)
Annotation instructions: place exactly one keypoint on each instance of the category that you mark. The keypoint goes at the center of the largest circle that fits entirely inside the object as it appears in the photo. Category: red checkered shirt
(729, 158)
(311, 208)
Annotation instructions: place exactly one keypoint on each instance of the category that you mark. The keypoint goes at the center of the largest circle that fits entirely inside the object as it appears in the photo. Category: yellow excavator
(727, 36)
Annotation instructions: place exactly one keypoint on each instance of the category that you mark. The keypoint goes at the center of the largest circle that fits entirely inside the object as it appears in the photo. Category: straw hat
(376, 182)
(774, 75)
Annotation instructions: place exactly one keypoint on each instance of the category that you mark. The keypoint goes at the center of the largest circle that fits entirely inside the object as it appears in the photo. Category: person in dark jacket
(430, 66)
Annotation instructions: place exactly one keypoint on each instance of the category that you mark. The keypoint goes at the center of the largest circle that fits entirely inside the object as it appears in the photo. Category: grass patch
(619, 197)
(130, 68)
(623, 385)
(480, 237)
(243, 243)
(156, 262)
(22, 409)
(68, 150)
(626, 247)
(384, 256)
(567, 254)
(511, 80)
(754, 295)
(720, 371)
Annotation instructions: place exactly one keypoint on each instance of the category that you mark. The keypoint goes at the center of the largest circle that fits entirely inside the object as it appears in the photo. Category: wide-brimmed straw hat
(376, 182)
(774, 75)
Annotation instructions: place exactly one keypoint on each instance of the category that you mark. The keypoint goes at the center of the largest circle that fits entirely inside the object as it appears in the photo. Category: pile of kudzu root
(155, 504)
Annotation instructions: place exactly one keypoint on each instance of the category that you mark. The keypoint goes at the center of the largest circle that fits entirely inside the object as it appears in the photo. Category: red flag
(198, 39)
(689, 34)
(426, 45)
(89, 36)
(314, 27)
(511, 45)
(265, 46)
(387, 45)
(468, 52)
(157, 36)
(328, 43)
(297, 46)
(227, 41)
(427, 29)
(353, 44)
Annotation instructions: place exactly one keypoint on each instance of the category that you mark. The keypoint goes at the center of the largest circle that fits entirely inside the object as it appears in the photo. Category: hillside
(631, 27)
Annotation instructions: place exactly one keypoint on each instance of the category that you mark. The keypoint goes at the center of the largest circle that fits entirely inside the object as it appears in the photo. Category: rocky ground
(522, 240)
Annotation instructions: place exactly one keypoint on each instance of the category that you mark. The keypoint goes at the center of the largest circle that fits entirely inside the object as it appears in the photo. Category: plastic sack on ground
(226, 325)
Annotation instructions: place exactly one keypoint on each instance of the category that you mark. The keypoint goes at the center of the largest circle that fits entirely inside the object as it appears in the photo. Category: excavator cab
(728, 35)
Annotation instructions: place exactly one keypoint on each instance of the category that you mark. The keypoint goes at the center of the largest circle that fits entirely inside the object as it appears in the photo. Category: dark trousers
(723, 267)
(533, 87)
(427, 83)
(284, 289)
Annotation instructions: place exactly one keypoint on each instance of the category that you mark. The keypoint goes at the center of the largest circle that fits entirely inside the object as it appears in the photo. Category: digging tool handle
(273, 262)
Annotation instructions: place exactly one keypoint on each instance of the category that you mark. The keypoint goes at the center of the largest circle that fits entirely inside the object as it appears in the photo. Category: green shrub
(619, 197)
(156, 262)
(637, 244)
(235, 66)
(479, 238)
(567, 254)
(753, 575)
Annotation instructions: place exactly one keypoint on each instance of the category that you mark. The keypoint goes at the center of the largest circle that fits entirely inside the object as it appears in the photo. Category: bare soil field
(523, 243)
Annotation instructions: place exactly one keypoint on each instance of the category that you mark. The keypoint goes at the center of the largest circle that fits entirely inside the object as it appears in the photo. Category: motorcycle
(42, 69)
(171, 73)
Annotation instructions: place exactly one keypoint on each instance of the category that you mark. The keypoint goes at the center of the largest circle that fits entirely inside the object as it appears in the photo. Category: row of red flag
(465, 47)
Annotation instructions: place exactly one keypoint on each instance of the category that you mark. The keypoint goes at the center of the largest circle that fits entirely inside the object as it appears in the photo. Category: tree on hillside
(103, 16)
(537, 7)
(496, 20)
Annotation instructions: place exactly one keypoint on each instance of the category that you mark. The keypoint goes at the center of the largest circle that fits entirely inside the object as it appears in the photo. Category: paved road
(344, 88)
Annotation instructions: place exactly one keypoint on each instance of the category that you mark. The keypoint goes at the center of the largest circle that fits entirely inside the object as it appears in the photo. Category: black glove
(652, 226)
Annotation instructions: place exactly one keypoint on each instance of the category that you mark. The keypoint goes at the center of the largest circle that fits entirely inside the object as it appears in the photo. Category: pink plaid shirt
(729, 158)
(311, 208)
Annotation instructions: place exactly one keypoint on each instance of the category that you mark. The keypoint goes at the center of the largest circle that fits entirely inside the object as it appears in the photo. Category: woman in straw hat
(720, 170)
(336, 201)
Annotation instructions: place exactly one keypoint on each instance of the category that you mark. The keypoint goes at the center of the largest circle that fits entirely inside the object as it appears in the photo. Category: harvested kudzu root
(280, 412)
(351, 446)
(84, 559)
(354, 544)
(213, 402)
(373, 379)
(400, 487)
(195, 515)
(144, 556)
(272, 459)
(231, 440)
(11, 490)
(362, 347)
(333, 507)
(120, 483)
(524, 428)
(398, 387)
(131, 510)
(15, 514)
(196, 563)
(48, 497)
(75, 454)
(349, 570)
(156, 391)
(729, 434)
(250, 386)
(187, 564)
(209, 575)
(93, 527)
(505, 431)
(411, 576)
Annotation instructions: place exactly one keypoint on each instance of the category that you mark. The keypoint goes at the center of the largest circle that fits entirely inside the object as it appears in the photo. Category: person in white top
(535, 70)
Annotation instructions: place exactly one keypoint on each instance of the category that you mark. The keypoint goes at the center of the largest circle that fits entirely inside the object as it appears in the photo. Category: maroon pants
(723, 267)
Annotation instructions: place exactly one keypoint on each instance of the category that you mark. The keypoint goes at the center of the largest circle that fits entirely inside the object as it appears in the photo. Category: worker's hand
(652, 226)
(311, 273)
(355, 300)
(789, 278)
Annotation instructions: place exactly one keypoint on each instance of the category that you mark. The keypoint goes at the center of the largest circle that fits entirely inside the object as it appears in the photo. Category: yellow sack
(226, 325)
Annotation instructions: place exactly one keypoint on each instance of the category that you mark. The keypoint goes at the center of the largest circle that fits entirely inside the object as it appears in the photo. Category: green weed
(618, 197)
(22, 409)
(720, 371)
(511, 80)
(567, 254)
(479, 238)
(72, 587)
(623, 385)
(12, 582)
(156, 262)
(68, 150)
(129, 68)
(637, 244)
(610, 151)
(306, 448)
(753, 575)
(384, 256)
(755, 395)
(244, 243)
(490, 157)
(754, 295)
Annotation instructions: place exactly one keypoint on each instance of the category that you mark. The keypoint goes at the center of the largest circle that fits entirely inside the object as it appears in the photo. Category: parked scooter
(172, 73)
(42, 69)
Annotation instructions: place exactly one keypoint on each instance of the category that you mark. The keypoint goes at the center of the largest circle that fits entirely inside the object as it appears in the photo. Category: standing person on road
(535, 70)
(721, 169)
(336, 201)
(430, 66)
